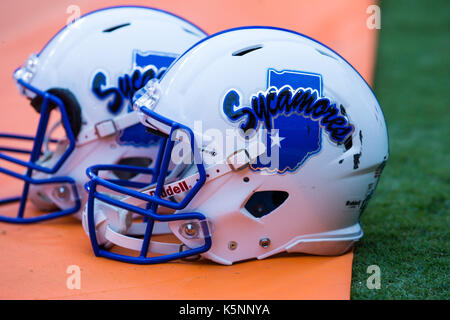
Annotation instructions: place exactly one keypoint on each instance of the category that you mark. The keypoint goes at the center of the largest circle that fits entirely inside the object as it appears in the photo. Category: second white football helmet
(89, 72)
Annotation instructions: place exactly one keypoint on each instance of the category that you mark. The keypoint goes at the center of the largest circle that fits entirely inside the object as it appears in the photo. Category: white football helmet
(88, 72)
(286, 143)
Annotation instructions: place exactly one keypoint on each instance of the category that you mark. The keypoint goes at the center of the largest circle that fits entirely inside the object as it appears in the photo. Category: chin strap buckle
(105, 128)
(236, 161)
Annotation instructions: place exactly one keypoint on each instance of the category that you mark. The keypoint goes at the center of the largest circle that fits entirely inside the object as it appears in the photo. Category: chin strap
(108, 128)
(135, 244)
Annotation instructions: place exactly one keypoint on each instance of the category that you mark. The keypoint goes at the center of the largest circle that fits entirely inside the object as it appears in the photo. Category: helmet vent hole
(116, 27)
(191, 32)
(264, 202)
(132, 161)
(247, 50)
(326, 54)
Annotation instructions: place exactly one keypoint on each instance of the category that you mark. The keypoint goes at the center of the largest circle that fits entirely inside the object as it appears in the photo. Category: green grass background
(407, 222)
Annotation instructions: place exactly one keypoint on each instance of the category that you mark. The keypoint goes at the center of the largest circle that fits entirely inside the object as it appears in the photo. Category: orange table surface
(34, 258)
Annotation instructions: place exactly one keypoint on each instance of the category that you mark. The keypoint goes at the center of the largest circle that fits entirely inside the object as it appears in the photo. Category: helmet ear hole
(264, 202)
(132, 161)
(71, 106)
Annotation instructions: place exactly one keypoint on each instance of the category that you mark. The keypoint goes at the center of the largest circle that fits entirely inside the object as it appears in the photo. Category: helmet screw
(232, 245)
(264, 242)
(62, 192)
(190, 230)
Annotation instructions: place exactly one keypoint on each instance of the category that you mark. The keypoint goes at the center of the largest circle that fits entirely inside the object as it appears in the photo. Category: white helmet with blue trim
(285, 144)
(84, 79)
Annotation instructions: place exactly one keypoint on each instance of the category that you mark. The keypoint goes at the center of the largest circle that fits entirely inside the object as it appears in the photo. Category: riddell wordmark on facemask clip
(172, 190)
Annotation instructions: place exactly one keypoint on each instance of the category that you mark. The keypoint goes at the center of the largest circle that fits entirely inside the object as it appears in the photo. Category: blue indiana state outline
(302, 136)
(137, 135)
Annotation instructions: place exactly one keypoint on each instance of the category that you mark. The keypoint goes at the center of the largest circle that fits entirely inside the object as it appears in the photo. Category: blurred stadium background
(407, 223)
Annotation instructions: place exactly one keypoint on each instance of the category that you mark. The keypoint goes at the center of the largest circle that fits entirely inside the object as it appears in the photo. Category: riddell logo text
(172, 190)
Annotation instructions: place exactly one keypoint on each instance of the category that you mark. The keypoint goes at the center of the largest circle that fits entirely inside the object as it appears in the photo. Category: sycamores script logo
(294, 112)
(145, 66)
